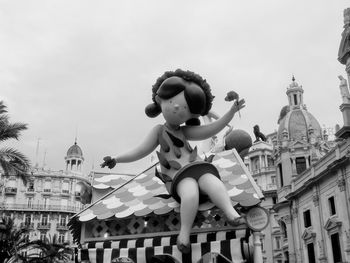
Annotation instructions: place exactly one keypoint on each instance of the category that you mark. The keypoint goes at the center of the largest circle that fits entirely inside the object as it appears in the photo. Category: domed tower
(300, 139)
(74, 159)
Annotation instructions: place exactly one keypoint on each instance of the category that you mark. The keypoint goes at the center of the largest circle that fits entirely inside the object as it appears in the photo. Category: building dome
(74, 151)
(295, 122)
(299, 124)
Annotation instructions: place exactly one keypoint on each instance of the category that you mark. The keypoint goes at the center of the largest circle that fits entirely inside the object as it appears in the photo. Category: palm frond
(13, 162)
(3, 107)
(11, 131)
(4, 119)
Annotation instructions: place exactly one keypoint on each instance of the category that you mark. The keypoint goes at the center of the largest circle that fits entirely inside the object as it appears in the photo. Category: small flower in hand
(109, 162)
(232, 95)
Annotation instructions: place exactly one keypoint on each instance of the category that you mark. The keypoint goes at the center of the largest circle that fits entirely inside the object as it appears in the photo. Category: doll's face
(175, 110)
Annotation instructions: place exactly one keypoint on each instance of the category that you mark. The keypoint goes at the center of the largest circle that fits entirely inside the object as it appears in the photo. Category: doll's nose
(176, 106)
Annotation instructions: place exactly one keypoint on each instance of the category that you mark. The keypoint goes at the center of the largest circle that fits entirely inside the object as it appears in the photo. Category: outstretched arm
(198, 133)
(145, 148)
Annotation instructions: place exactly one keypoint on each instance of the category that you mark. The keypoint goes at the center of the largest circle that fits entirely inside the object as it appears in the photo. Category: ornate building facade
(311, 175)
(47, 200)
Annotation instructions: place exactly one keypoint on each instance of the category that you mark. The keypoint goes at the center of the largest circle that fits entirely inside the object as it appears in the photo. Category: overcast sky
(86, 68)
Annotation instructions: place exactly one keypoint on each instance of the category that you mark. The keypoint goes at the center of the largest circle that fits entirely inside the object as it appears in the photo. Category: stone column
(291, 246)
(258, 257)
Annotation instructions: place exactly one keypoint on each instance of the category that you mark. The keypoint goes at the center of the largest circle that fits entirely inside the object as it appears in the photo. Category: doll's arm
(145, 148)
(215, 116)
(197, 133)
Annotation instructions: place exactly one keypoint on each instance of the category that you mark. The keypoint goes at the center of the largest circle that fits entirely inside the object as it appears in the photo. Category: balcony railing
(26, 207)
(264, 170)
(44, 226)
(62, 227)
(65, 192)
(46, 192)
(10, 190)
(27, 225)
(30, 191)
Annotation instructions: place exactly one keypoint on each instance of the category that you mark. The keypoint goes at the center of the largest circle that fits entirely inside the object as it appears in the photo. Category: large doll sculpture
(182, 97)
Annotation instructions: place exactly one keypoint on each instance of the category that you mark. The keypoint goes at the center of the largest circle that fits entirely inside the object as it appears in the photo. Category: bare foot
(183, 243)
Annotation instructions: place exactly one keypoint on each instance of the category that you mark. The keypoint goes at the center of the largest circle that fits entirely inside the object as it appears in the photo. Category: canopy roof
(145, 193)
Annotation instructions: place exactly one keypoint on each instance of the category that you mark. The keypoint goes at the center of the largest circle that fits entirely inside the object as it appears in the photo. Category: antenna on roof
(44, 160)
(76, 134)
(37, 152)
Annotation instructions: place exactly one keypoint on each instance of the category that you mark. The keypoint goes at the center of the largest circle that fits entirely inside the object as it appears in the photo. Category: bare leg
(188, 191)
(217, 192)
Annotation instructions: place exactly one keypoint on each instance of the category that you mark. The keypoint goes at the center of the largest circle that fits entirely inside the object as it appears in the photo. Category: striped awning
(226, 243)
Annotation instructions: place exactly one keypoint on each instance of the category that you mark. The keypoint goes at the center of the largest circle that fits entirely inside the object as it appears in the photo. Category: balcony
(46, 192)
(10, 190)
(30, 191)
(33, 207)
(62, 227)
(45, 226)
(65, 193)
(77, 195)
(27, 225)
(264, 170)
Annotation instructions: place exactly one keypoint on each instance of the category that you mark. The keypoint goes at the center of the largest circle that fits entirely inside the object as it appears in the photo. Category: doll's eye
(171, 101)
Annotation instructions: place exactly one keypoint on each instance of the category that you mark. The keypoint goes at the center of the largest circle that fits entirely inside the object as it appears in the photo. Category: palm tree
(15, 246)
(12, 162)
(48, 250)
(12, 240)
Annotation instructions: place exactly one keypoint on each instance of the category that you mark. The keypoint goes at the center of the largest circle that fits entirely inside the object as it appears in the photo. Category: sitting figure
(182, 97)
(258, 135)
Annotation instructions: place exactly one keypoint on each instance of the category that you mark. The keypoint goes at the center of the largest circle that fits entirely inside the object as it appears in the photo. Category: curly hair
(153, 109)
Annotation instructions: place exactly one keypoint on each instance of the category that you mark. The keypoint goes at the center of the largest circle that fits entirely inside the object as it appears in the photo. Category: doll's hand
(238, 105)
(109, 162)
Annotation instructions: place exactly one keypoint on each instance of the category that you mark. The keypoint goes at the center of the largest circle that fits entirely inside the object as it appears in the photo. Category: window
(30, 202)
(47, 186)
(284, 229)
(256, 165)
(281, 173)
(331, 204)
(311, 253)
(274, 200)
(30, 186)
(65, 187)
(44, 220)
(27, 220)
(46, 202)
(278, 242)
(300, 164)
(273, 179)
(269, 162)
(42, 236)
(307, 218)
(286, 257)
(336, 248)
(63, 221)
(295, 99)
(61, 238)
